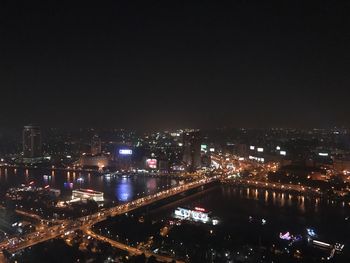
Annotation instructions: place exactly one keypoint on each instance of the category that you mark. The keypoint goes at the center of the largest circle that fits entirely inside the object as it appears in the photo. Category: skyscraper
(96, 145)
(32, 142)
(192, 149)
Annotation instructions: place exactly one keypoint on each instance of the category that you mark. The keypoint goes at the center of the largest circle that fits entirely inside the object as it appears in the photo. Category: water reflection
(68, 185)
(124, 190)
(289, 199)
(114, 188)
(303, 203)
(256, 193)
(282, 200)
(47, 179)
(152, 185)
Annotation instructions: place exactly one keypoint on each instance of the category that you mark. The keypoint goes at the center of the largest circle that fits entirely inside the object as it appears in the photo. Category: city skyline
(175, 131)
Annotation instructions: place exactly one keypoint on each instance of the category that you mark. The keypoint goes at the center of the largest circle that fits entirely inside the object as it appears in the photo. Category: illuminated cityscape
(175, 131)
(284, 192)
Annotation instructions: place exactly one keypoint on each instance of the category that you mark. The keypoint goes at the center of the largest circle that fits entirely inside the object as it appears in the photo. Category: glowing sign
(278, 148)
(125, 152)
(151, 163)
(283, 152)
(260, 150)
(252, 147)
(203, 148)
(285, 236)
(212, 149)
(191, 215)
(323, 154)
(311, 232)
(199, 209)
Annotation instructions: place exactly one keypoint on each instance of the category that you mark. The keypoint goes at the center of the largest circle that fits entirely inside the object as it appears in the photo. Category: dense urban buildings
(175, 131)
(32, 142)
(212, 184)
(95, 145)
(192, 149)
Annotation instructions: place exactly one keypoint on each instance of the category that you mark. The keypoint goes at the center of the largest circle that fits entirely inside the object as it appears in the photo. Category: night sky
(172, 64)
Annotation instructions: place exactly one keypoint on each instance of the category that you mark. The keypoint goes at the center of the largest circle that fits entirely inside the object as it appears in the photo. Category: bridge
(84, 223)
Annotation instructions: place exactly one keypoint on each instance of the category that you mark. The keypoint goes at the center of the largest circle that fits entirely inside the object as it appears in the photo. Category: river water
(241, 211)
(119, 189)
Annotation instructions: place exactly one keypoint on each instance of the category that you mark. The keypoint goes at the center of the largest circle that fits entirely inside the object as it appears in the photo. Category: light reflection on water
(124, 190)
(300, 202)
(115, 188)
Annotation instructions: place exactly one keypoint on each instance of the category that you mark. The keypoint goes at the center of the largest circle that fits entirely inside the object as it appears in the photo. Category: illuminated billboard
(283, 152)
(125, 152)
(151, 163)
(203, 148)
(198, 214)
(260, 150)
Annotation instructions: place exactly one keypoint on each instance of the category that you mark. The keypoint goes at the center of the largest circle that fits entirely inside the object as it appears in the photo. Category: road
(66, 226)
(129, 249)
(274, 185)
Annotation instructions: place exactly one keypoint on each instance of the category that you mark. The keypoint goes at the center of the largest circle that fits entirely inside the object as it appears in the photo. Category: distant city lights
(323, 154)
(256, 158)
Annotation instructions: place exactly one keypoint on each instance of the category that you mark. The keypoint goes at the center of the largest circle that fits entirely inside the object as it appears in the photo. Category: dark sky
(175, 63)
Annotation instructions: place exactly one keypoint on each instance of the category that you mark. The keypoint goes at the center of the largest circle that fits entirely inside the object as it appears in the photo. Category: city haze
(171, 65)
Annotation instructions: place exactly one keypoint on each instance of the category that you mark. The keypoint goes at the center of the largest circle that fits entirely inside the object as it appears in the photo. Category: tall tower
(95, 145)
(32, 142)
(192, 150)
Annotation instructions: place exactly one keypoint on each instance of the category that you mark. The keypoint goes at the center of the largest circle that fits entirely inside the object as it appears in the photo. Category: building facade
(96, 145)
(192, 150)
(32, 147)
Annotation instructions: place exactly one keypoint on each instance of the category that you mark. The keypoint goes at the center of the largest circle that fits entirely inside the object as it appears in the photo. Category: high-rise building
(192, 149)
(32, 142)
(95, 145)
